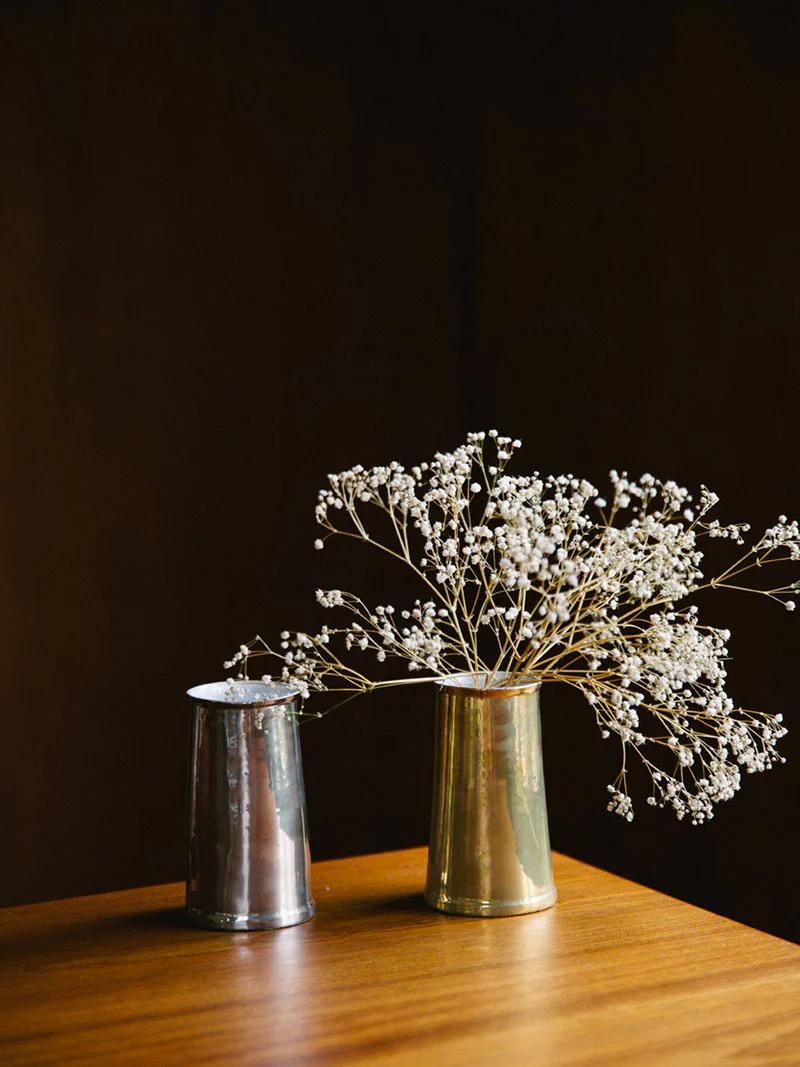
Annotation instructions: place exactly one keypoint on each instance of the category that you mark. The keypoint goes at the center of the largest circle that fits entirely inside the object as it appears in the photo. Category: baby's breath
(541, 575)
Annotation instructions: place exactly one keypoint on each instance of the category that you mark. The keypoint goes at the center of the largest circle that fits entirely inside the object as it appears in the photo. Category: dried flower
(540, 576)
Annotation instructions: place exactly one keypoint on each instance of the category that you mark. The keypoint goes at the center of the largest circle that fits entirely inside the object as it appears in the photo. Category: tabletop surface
(613, 974)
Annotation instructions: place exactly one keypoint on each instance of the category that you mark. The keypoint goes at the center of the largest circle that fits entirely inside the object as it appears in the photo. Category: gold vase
(489, 851)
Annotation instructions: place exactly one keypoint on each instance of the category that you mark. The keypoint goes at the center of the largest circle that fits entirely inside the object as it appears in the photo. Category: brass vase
(490, 845)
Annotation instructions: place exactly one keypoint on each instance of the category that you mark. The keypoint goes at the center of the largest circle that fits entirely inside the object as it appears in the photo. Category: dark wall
(246, 244)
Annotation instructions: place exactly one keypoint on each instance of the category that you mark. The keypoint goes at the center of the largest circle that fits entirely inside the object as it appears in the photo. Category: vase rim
(243, 693)
(465, 683)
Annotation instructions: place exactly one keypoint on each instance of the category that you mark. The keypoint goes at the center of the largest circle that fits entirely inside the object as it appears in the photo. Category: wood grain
(614, 974)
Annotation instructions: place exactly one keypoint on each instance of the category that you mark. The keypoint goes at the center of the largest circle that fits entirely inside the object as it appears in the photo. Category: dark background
(245, 244)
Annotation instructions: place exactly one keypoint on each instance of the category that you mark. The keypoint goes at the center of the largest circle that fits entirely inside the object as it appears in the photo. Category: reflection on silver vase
(248, 855)
(490, 846)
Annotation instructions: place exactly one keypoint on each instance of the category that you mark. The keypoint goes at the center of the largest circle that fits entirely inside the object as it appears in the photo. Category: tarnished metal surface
(490, 846)
(248, 854)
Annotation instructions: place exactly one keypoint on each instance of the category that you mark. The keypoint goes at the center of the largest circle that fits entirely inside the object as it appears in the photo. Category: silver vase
(248, 854)
(490, 845)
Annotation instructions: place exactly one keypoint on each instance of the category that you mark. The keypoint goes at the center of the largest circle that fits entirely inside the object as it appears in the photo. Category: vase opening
(499, 683)
(243, 693)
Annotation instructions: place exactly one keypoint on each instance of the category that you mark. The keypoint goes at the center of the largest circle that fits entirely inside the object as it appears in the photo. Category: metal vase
(490, 845)
(248, 854)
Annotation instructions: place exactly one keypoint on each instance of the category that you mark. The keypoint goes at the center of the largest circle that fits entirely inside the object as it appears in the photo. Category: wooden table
(615, 974)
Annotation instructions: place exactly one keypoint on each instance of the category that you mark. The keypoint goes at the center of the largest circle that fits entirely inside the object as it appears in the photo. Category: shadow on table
(405, 904)
(91, 937)
(161, 919)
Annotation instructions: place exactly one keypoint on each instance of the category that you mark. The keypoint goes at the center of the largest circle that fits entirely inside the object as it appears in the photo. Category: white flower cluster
(541, 575)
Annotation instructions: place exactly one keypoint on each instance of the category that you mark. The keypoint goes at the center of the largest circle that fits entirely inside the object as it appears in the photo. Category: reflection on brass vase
(490, 846)
(248, 855)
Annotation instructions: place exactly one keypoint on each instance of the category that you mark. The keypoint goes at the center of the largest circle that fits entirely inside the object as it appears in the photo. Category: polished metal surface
(248, 854)
(489, 851)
